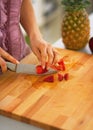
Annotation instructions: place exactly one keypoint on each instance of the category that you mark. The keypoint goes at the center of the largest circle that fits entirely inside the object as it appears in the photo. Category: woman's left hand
(44, 52)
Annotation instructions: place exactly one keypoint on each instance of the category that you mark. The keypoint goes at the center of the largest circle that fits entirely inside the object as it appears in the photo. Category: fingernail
(43, 67)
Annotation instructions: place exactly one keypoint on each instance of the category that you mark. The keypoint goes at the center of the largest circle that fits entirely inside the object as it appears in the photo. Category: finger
(56, 56)
(37, 53)
(50, 56)
(43, 57)
(3, 65)
(7, 56)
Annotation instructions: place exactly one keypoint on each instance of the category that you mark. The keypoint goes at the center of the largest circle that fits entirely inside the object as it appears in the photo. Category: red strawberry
(66, 76)
(59, 66)
(40, 70)
(91, 44)
(62, 65)
(60, 77)
(49, 79)
(45, 70)
(53, 67)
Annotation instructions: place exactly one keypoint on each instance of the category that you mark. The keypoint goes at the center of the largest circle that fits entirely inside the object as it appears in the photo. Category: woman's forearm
(41, 48)
(28, 20)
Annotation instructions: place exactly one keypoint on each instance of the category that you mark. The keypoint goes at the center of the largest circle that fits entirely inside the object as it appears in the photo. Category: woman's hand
(5, 55)
(45, 52)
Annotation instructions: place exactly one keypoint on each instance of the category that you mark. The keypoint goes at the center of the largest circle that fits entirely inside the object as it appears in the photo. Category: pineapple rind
(76, 30)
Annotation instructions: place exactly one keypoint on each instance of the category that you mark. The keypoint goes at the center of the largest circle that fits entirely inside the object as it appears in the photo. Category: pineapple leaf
(74, 5)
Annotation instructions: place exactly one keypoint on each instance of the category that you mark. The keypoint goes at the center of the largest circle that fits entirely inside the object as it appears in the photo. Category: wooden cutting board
(65, 105)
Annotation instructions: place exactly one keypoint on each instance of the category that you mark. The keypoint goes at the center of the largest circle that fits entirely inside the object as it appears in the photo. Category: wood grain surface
(65, 105)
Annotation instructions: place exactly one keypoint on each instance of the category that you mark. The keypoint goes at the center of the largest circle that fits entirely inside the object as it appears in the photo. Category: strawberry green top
(11, 38)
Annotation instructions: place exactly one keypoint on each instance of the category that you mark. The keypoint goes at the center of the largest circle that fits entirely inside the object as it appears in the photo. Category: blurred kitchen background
(49, 14)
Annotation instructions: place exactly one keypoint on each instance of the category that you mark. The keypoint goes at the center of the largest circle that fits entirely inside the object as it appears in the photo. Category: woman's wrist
(35, 35)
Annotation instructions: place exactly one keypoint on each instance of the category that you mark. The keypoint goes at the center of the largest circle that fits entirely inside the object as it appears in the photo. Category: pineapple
(75, 25)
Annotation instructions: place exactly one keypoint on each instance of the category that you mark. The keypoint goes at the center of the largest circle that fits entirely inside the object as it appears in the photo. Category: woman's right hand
(5, 55)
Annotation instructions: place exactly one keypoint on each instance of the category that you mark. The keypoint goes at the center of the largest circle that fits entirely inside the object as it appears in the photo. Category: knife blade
(27, 69)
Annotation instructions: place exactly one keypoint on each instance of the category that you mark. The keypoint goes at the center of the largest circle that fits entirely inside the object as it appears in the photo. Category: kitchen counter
(82, 92)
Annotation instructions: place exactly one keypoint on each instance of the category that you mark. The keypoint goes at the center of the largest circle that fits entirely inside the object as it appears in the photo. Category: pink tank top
(11, 38)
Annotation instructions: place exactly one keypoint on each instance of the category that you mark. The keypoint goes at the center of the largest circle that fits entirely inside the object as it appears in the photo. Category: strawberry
(91, 44)
(60, 77)
(53, 67)
(61, 64)
(45, 70)
(66, 76)
(40, 70)
(58, 67)
(49, 79)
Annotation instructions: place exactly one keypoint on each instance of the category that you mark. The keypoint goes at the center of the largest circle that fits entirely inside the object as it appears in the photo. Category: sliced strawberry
(40, 70)
(91, 44)
(49, 79)
(62, 64)
(45, 70)
(54, 67)
(58, 67)
(66, 76)
(60, 77)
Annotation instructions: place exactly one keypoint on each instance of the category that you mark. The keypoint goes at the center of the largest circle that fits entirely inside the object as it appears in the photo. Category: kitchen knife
(27, 69)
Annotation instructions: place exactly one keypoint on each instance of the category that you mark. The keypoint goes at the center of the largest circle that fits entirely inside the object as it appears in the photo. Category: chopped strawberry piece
(54, 67)
(49, 79)
(66, 76)
(62, 64)
(60, 77)
(45, 70)
(59, 66)
(40, 70)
